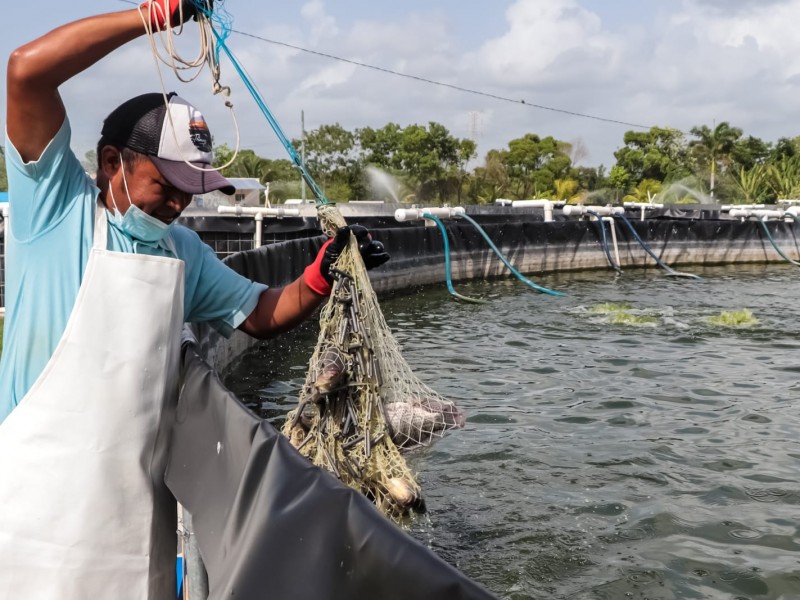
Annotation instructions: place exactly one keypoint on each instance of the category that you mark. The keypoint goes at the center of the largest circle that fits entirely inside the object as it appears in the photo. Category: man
(98, 283)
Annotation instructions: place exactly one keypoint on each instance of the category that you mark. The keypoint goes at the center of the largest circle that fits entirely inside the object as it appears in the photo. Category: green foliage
(433, 166)
(618, 313)
(565, 189)
(734, 318)
(753, 185)
(533, 164)
(626, 318)
(784, 177)
(248, 164)
(645, 191)
(610, 307)
(714, 149)
(750, 151)
(619, 178)
(658, 154)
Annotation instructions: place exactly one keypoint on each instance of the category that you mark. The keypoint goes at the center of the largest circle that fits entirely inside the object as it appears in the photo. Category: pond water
(619, 442)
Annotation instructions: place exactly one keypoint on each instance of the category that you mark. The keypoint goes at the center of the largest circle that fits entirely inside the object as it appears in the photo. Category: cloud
(689, 63)
(544, 36)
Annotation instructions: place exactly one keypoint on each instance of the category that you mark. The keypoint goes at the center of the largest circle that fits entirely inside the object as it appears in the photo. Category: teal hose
(774, 245)
(448, 271)
(516, 273)
(670, 271)
(605, 240)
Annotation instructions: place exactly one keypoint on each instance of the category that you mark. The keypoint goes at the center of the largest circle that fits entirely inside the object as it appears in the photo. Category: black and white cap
(171, 135)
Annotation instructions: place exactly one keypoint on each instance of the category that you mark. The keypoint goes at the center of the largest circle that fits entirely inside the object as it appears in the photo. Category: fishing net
(361, 407)
(361, 404)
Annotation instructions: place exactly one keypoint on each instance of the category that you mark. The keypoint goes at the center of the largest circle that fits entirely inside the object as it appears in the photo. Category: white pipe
(794, 210)
(415, 214)
(732, 207)
(603, 211)
(259, 219)
(547, 205)
(613, 222)
(252, 211)
(745, 213)
(531, 203)
(643, 206)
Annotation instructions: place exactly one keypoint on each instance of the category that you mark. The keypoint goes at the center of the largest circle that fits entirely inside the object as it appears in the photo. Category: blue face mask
(137, 223)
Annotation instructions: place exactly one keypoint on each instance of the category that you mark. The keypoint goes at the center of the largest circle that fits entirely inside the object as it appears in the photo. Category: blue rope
(605, 240)
(447, 269)
(518, 275)
(670, 271)
(774, 245)
(262, 105)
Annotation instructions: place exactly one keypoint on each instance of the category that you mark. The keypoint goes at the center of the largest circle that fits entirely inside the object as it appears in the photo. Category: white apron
(84, 512)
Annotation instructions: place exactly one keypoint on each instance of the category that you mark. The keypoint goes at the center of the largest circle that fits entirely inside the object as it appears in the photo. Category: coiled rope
(164, 51)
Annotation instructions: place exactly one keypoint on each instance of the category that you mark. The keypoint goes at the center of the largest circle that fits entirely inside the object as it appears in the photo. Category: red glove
(158, 10)
(317, 274)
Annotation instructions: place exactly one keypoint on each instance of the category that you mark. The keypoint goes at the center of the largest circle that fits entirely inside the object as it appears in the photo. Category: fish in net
(361, 407)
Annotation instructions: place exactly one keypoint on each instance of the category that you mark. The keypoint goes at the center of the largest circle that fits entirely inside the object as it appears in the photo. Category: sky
(668, 63)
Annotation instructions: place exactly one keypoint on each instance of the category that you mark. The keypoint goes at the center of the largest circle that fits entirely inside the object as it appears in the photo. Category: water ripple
(602, 459)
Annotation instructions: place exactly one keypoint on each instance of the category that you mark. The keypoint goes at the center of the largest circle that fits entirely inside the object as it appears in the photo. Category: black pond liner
(268, 523)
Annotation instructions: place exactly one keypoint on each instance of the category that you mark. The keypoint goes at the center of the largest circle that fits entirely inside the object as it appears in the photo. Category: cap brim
(197, 179)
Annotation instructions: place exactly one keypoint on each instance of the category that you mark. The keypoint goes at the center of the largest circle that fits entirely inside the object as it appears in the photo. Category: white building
(248, 193)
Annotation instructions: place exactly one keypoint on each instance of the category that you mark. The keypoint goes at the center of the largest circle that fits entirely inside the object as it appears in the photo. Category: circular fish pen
(632, 439)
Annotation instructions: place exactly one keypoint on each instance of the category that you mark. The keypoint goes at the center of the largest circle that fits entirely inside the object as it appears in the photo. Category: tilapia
(331, 373)
(331, 370)
(416, 423)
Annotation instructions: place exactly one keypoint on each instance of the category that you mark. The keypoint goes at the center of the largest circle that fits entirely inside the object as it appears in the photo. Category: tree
(784, 177)
(432, 158)
(619, 179)
(490, 181)
(565, 189)
(784, 148)
(715, 147)
(645, 191)
(533, 164)
(333, 159)
(658, 154)
(466, 150)
(379, 146)
(748, 152)
(590, 178)
(752, 184)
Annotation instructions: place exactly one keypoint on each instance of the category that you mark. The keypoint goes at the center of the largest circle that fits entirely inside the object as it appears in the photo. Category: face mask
(137, 223)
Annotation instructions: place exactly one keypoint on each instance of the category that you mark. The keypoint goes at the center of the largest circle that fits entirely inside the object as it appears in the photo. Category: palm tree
(566, 190)
(753, 184)
(646, 191)
(784, 177)
(716, 146)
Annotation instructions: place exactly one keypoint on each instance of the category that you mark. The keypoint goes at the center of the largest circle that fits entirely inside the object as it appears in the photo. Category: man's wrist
(314, 280)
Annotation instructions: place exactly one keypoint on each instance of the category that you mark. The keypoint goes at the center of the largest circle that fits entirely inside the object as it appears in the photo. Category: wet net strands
(361, 405)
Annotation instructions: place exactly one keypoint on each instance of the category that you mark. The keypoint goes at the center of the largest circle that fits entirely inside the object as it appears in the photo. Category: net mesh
(361, 406)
